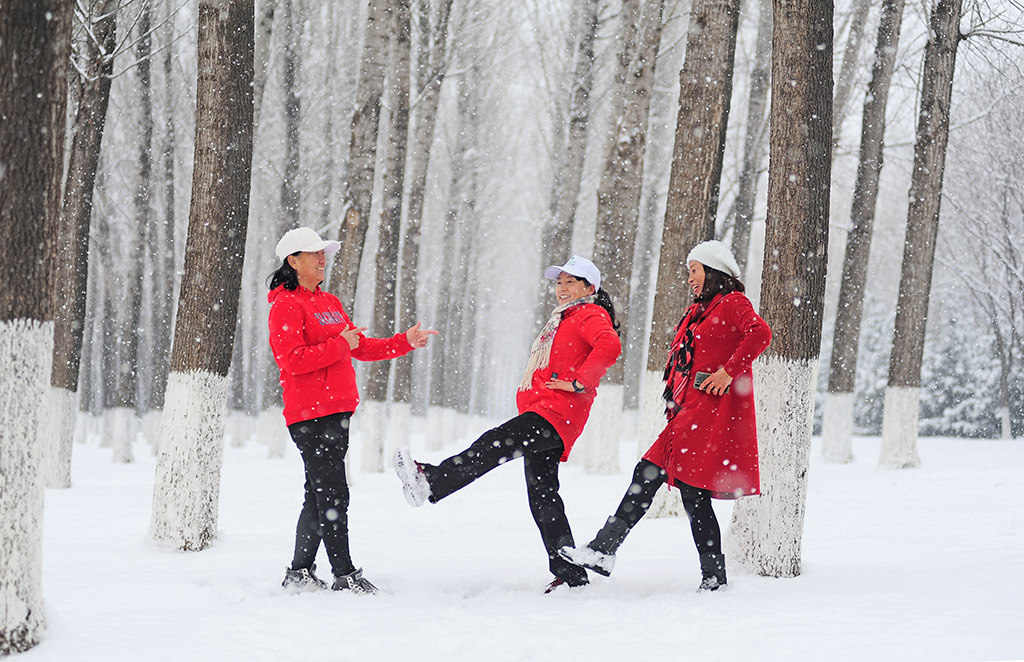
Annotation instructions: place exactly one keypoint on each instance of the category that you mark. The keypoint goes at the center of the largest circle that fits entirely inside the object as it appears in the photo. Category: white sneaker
(588, 558)
(414, 481)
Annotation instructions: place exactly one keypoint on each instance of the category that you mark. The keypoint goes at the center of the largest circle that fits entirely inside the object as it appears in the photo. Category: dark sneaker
(354, 582)
(303, 579)
(414, 481)
(711, 584)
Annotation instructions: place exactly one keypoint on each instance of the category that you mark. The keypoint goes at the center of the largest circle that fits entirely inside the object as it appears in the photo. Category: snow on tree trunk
(837, 443)
(922, 229)
(837, 428)
(768, 529)
(56, 435)
(187, 482)
(899, 428)
(362, 153)
(705, 93)
(186, 498)
(36, 38)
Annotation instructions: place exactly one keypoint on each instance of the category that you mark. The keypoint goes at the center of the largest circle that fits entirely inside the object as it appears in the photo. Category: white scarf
(540, 353)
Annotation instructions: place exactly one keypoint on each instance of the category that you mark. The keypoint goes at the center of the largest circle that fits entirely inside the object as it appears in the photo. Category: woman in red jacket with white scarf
(573, 351)
(314, 342)
(708, 450)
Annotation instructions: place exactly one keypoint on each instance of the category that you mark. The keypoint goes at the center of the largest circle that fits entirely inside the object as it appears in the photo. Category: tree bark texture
(362, 153)
(290, 194)
(848, 70)
(704, 97)
(843, 366)
(261, 54)
(35, 38)
(925, 195)
(768, 529)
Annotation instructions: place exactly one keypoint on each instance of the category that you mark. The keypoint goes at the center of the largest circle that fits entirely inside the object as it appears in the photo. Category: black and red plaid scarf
(680, 356)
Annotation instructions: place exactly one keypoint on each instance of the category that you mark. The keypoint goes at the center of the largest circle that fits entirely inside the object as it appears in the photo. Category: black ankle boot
(712, 572)
(599, 554)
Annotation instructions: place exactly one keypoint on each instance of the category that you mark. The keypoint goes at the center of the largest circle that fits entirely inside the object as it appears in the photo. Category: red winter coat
(711, 442)
(315, 361)
(584, 347)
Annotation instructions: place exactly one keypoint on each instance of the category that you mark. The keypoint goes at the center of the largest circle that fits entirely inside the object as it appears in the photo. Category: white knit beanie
(716, 255)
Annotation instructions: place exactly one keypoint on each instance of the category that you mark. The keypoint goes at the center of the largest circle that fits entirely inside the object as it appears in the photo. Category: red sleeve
(288, 343)
(755, 335)
(605, 347)
(378, 349)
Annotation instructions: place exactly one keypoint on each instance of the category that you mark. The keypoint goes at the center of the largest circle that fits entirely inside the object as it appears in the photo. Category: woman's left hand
(418, 337)
(717, 382)
(560, 385)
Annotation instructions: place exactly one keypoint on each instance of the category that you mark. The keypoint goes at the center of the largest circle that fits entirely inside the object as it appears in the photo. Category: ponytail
(285, 275)
(605, 301)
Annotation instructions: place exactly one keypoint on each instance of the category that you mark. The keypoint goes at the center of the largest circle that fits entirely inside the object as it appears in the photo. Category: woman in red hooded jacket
(573, 351)
(314, 342)
(708, 450)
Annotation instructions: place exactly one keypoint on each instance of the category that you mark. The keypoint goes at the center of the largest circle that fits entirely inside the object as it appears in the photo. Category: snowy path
(925, 564)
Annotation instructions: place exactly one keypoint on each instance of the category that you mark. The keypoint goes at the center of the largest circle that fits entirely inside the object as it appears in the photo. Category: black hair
(604, 300)
(285, 275)
(717, 282)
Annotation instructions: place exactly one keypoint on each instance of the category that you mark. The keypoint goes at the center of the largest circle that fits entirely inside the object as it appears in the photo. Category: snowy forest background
(501, 129)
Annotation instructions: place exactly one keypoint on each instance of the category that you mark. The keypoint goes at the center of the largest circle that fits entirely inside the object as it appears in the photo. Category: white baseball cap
(577, 266)
(304, 240)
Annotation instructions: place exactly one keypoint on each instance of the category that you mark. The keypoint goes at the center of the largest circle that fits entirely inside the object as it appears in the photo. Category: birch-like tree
(362, 153)
(844, 81)
(705, 93)
(35, 40)
(618, 208)
(187, 485)
(837, 431)
(899, 423)
(768, 529)
(93, 56)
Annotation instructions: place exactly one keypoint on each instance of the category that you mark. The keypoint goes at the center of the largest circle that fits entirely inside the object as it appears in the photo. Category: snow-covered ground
(921, 564)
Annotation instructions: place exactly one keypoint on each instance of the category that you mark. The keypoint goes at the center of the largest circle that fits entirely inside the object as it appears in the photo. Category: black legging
(323, 443)
(647, 478)
(534, 439)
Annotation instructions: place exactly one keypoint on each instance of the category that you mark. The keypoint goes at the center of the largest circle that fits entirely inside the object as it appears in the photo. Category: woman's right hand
(351, 336)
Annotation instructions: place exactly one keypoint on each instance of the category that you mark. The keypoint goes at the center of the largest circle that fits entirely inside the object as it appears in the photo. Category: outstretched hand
(418, 337)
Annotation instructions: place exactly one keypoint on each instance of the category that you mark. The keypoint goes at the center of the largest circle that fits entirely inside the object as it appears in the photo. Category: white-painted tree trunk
(272, 432)
(899, 428)
(56, 435)
(122, 424)
(666, 502)
(151, 429)
(767, 530)
(435, 428)
(603, 431)
(240, 427)
(399, 429)
(837, 428)
(26, 351)
(1004, 417)
(187, 489)
(373, 422)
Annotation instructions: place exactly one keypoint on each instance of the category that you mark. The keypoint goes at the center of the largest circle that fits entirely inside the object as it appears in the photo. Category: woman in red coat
(314, 342)
(708, 450)
(573, 351)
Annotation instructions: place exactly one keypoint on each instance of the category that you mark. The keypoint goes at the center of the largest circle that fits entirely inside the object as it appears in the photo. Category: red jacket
(315, 361)
(711, 442)
(584, 347)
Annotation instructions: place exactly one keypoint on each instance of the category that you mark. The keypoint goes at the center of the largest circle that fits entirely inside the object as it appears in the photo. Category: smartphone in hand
(699, 378)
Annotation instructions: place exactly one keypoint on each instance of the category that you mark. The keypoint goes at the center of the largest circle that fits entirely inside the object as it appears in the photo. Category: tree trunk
(837, 432)
(35, 38)
(389, 236)
(187, 486)
(768, 529)
(618, 209)
(93, 94)
(290, 174)
(704, 97)
(362, 153)
(261, 54)
(848, 70)
(754, 138)
(899, 423)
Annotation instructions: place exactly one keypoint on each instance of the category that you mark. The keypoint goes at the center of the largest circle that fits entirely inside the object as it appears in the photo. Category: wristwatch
(577, 387)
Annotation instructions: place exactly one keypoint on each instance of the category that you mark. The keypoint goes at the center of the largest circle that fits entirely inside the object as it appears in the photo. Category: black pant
(647, 478)
(323, 443)
(532, 438)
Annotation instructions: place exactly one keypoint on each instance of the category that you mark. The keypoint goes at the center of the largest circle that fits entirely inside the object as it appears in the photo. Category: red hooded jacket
(711, 442)
(584, 347)
(315, 360)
